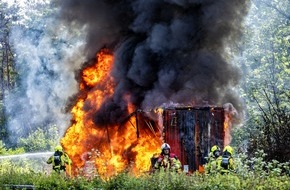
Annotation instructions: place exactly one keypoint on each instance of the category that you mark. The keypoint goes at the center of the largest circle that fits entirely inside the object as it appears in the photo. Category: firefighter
(59, 160)
(167, 160)
(212, 166)
(225, 161)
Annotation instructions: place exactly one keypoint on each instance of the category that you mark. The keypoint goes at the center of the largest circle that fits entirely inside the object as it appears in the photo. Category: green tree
(8, 73)
(266, 83)
(34, 142)
(40, 140)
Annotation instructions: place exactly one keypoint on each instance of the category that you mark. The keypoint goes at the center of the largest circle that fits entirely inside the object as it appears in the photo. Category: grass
(251, 174)
(162, 180)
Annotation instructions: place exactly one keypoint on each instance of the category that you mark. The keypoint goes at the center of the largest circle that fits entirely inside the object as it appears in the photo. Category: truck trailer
(191, 132)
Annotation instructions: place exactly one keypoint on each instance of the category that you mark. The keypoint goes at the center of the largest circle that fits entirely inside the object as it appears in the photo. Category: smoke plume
(165, 50)
(46, 59)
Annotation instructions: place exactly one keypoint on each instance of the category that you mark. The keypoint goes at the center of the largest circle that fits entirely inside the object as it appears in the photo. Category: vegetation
(265, 85)
(7, 65)
(250, 175)
(46, 140)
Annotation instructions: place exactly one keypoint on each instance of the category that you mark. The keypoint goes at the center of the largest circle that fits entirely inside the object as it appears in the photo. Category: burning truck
(191, 131)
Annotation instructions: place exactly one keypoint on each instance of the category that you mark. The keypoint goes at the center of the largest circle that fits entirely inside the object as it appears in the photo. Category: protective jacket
(168, 162)
(59, 160)
(225, 164)
(212, 165)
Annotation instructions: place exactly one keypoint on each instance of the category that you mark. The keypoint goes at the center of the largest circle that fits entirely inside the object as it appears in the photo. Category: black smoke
(165, 50)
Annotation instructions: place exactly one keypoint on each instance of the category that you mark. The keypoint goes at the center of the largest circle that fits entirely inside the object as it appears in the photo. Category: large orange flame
(106, 149)
(227, 129)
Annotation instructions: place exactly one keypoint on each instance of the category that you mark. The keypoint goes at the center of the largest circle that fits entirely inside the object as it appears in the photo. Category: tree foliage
(272, 132)
(40, 140)
(7, 65)
(266, 83)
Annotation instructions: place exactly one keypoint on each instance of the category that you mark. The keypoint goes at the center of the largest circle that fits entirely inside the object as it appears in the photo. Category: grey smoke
(46, 59)
(165, 50)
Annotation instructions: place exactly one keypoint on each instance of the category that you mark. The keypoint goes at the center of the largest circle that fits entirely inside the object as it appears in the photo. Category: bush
(251, 173)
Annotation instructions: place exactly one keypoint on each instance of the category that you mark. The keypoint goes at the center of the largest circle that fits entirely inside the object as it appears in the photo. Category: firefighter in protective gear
(167, 160)
(212, 165)
(225, 161)
(59, 160)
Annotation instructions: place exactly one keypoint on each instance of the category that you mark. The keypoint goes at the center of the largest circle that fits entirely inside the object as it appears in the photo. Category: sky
(24, 3)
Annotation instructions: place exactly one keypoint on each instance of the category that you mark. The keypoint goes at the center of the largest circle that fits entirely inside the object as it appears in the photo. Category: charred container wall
(191, 131)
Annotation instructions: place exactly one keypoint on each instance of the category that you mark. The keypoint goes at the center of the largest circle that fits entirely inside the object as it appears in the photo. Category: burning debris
(156, 52)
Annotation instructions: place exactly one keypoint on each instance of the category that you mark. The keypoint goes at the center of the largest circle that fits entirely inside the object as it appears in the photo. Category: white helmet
(165, 146)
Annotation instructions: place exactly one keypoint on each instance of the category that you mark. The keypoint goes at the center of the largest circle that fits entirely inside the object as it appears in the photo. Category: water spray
(27, 162)
(26, 155)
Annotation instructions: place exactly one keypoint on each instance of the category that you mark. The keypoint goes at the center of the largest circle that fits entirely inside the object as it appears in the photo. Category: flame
(227, 129)
(111, 148)
(94, 74)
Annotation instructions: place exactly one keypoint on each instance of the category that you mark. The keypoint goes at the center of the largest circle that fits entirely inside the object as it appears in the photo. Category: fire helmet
(215, 148)
(58, 148)
(165, 146)
(215, 151)
(229, 149)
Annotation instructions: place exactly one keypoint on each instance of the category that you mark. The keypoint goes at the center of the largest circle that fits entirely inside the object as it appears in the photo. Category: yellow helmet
(214, 148)
(58, 148)
(229, 149)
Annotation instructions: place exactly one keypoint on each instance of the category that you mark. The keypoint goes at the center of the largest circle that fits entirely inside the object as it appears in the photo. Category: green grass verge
(155, 181)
